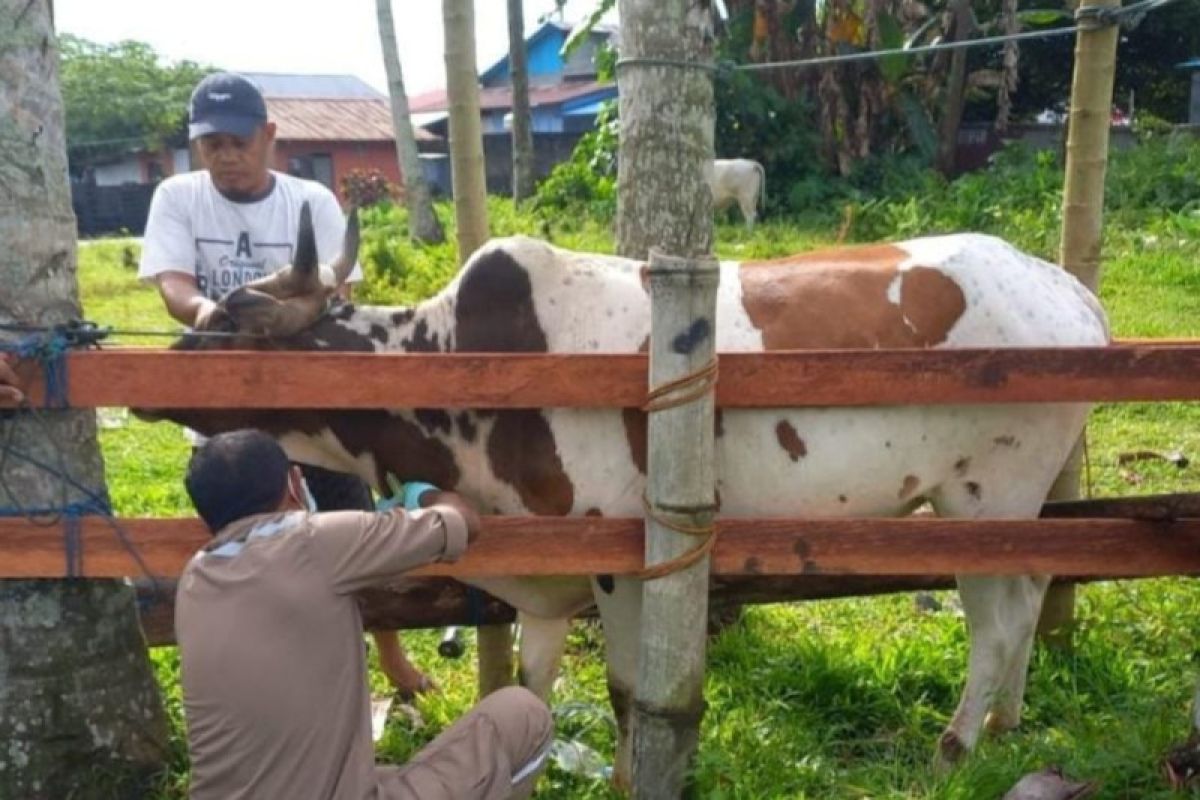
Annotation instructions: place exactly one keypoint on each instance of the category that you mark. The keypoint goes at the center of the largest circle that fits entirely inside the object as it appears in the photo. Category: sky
(319, 36)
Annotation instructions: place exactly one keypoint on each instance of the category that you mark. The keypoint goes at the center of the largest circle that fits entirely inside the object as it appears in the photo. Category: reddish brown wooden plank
(161, 379)
(556, 546)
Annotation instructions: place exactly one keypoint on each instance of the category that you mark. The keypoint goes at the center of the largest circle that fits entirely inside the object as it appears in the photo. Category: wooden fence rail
(155, 378)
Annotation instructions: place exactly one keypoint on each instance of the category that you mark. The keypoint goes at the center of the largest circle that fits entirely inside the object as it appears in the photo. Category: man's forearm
(184, 301)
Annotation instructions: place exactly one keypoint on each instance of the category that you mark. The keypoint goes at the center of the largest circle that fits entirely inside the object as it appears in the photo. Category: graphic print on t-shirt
(223, 265)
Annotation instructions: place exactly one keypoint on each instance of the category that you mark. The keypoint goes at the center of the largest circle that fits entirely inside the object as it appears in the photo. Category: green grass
(834, 699)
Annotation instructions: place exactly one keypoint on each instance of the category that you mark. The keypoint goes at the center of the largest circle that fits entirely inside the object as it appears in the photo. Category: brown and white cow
(524, 295)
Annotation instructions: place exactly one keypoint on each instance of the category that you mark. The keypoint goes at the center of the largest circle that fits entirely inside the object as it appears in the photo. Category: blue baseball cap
(225, 103)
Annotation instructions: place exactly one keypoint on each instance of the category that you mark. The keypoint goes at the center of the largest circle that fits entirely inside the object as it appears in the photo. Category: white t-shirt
(193, 227)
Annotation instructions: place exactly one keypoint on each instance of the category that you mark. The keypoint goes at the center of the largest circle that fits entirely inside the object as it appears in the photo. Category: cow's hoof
(999, 722)
(950, 752)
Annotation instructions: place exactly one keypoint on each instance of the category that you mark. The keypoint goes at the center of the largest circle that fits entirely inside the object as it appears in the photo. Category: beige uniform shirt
(273, 662)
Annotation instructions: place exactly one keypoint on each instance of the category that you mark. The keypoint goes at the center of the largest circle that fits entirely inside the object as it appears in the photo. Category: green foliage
(586, 183)
(119, 97)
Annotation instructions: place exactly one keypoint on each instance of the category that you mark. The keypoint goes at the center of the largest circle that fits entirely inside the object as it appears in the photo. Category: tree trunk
(466, 132)
(956, 88)
(80, 714)
(1083, 213)
(666, 150)
(1010, 25)
(522, 123)
(470, 212)
(423, 223)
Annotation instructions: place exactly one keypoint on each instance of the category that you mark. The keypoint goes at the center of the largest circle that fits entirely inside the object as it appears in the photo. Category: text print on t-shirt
(223, 265)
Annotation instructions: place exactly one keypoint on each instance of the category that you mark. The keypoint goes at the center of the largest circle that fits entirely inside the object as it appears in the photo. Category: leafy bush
(587, 183)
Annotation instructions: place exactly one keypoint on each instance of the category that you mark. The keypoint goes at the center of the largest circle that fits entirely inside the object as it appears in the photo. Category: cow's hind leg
(1002, 614)
(541, 646)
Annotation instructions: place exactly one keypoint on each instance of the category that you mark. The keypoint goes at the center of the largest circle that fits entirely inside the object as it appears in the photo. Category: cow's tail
(762, 185)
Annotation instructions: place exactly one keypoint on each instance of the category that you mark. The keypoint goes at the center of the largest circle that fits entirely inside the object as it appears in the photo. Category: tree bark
(80, 714)
(466, 132)
(423, 223)
(666, 134)
(1083, 213)
(666, 150)
(522, 122)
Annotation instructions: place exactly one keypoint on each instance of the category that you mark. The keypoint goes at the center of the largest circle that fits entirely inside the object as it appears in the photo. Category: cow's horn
(349, 255)
(305, 262)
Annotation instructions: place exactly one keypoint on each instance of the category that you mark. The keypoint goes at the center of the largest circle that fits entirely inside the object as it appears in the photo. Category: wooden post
(682, 480)
(470, 212)
(1083, 214)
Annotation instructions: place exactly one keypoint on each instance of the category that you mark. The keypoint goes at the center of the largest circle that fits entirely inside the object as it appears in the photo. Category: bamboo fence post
(1083, 213)
(669, 700)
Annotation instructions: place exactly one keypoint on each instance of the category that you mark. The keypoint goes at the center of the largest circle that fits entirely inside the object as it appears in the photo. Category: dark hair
(236, 474)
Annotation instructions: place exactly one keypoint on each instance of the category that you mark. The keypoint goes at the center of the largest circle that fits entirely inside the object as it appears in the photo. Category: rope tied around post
(685, 390)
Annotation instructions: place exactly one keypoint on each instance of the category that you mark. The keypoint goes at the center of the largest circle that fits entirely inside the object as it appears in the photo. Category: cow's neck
(424, 328)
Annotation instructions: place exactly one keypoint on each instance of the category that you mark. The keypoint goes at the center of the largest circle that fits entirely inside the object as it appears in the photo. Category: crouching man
(273, 669)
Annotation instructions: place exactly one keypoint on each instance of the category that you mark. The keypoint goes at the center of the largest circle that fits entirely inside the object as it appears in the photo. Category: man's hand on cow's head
(455, 501)
(10, 395)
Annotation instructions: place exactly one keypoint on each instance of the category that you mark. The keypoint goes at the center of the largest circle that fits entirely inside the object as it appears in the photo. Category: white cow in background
(738, 179)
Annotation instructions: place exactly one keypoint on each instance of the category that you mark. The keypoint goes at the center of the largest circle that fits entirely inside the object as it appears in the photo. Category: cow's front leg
(620, 603)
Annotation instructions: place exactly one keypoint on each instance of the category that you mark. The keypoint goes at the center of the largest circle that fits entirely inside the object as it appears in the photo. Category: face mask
(306, 500)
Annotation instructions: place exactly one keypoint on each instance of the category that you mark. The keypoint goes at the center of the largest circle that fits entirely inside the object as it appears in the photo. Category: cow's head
(292, 299)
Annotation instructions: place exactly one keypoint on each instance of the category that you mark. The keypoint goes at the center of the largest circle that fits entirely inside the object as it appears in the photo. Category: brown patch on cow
(467, 427)
(327, 333)
(838, 298)
(961, 466)
(342, 311)
(378, 333)
(974, 490)
(403, 316)
(593, 512)
(494, 312)
(522, 453)
(911, 483)
(790, 441)
(433, 420)
(636, 434)
(420, 340)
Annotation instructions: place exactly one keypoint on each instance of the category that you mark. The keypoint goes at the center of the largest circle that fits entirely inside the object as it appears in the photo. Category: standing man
(274, 686)
(215, 229)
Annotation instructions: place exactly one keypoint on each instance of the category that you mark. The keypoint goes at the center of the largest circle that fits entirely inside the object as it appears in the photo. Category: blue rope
(49, 346)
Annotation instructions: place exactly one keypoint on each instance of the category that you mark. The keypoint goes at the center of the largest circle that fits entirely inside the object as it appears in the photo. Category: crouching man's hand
(455, 501)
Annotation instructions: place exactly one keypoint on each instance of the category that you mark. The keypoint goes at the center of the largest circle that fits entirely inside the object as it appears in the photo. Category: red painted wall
(346, 156)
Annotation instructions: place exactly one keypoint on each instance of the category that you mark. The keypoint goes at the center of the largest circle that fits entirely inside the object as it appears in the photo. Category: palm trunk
(80, 714)
(1079, 254)
(666, 147)
(956, 88)
(470, 211)
(522, 127)
(422, 221)
(466, 131)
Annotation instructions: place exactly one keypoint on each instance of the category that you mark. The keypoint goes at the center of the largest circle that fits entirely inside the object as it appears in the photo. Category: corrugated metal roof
(299, 119)
(283, 85)
(500, 97)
